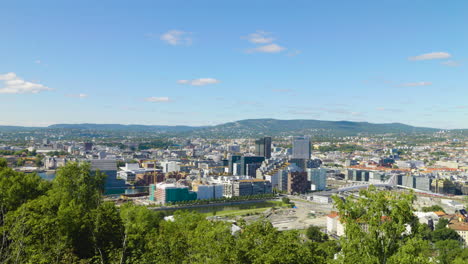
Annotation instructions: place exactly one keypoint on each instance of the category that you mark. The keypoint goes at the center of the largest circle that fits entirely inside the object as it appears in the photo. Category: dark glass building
(263, 147)
(249, 160)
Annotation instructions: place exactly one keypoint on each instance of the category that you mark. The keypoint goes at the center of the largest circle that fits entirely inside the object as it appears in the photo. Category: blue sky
(210, 62)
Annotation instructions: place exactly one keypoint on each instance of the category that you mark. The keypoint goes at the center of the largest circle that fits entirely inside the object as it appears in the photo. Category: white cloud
(431, 56)
(259, 37)
(157, 99)
(415, 84)
(81, 95)
(38, 61)
(199, 82)
(294, 53)
(451, 63)
(271, 48)
(177, 37)
(15, 85)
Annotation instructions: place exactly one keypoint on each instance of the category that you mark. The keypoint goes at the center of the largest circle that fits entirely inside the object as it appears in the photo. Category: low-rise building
(165, 193)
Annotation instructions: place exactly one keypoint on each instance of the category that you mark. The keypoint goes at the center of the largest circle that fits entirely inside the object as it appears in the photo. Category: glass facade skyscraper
(301, 148)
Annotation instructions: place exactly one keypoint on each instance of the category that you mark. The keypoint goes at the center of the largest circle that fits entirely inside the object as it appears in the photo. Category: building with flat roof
(317, 178)
(113, 185)
(297, 182)
(246, 187)
(168, 193)
(263, 147)
(301, 148)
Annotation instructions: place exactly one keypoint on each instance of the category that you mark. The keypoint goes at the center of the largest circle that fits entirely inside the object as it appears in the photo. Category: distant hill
(119, 127)
(251, 128)
(254, 127)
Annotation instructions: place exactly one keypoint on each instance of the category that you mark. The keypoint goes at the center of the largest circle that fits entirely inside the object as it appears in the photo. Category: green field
(234, 210)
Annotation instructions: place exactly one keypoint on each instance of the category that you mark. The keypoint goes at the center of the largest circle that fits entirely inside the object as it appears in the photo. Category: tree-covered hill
(247, 128)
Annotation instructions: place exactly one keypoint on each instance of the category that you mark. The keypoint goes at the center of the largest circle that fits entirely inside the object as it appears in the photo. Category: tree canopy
(67, 221)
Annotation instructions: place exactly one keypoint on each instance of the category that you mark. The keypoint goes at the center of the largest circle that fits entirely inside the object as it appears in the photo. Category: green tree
(139, 224)
(314, 234)
(58, 225)
(442, 232)
(448, 250)
(412, 251)
(108, 232)
(433, 208)
(375, 225)
(3, 163)
(20, 162)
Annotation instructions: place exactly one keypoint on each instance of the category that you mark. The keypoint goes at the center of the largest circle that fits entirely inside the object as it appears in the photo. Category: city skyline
(207, 63)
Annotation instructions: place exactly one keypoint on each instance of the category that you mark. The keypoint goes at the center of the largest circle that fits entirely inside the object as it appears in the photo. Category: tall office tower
(301, 148)
(263, 147)
(232, 163)
(88, 146)
(297, 182)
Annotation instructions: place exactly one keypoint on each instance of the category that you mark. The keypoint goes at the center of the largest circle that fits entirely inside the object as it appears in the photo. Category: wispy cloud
(451, 63)
(259, 37)
(294, 53)
(416, 84)
(431, 56)
(177, 37)
(271, 48)
(15, 85)
(157, 99)
(81, 95)
(199, 82)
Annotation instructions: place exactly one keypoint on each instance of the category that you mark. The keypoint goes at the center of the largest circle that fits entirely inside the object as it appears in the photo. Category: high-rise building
(297, 182)
(318, 178)
(301, 163)
(301, 148)
(263, 147)
(232, 160)
(244, 161)
(88, 146)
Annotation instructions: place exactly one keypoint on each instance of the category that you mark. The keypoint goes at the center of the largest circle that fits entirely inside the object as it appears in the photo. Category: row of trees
(66, 221)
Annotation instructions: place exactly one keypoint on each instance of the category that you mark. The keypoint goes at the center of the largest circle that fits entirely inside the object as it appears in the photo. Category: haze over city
(211, 62)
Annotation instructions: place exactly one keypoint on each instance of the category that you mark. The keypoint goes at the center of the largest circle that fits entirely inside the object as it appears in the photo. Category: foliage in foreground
(66, 221)
(381, 228)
